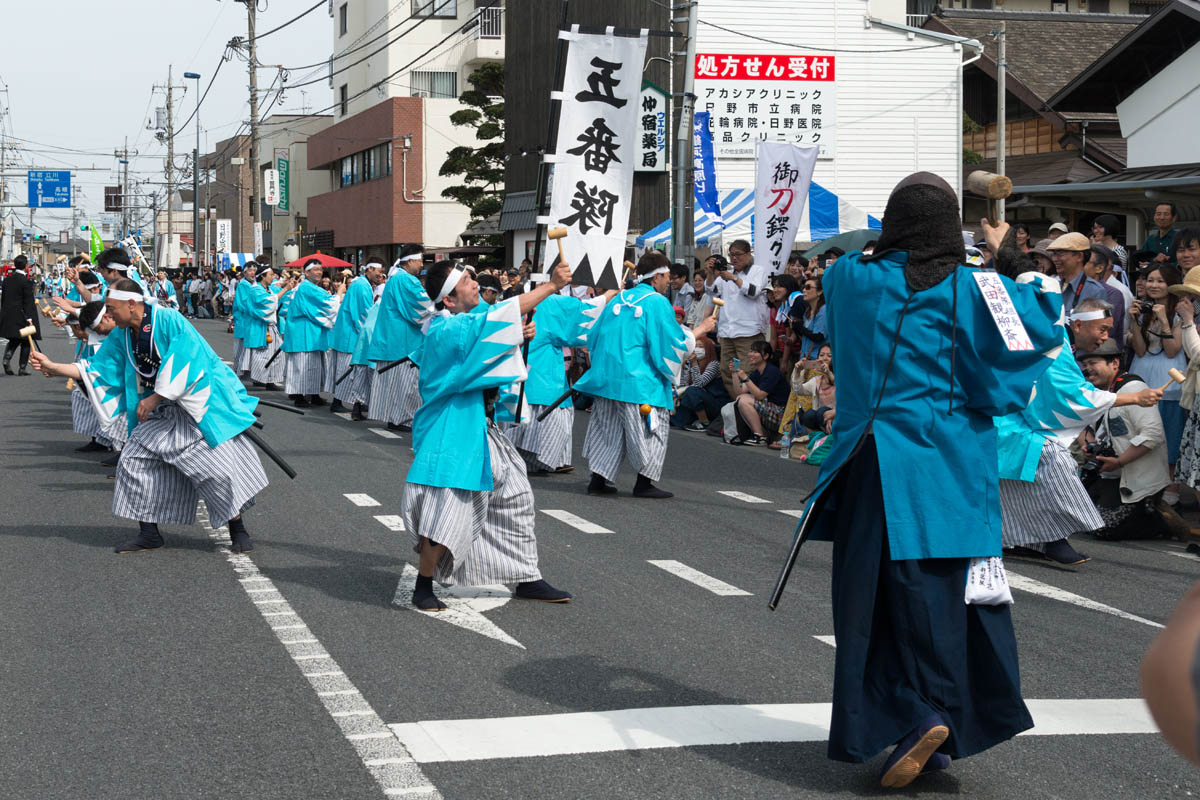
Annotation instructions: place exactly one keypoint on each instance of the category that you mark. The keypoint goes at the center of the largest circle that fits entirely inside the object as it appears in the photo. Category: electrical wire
(345, 67)
(196, 110)
(302, 14)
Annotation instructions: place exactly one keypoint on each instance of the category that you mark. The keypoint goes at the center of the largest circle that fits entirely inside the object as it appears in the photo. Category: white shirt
(1116, 283)
(745, 311)
(1133, 425)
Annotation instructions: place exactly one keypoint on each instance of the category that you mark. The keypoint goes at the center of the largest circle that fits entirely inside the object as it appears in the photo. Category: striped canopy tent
(825, 214)
(239, 260)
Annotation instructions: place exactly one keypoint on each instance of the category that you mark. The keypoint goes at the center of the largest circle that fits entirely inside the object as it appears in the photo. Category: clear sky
(80, 75)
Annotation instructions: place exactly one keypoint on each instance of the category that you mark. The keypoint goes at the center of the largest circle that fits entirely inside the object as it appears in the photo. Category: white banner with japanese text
(596, 153)
(224, 235)
(652, 127)
(780, 189)
(762, 97)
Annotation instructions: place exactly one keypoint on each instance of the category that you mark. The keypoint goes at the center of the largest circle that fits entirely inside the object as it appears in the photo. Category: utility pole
(122, 156)
(255, 177)
(1001, 102)
(684, 233)
(164, 258)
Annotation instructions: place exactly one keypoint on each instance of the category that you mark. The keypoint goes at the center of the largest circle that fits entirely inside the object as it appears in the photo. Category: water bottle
(785, 450)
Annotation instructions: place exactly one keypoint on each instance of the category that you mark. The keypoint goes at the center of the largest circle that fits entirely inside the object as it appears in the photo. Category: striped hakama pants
(239, 349)
(396, 394)
(167, 466)
(259, 371)
(617, 431)
(1052, 507)
(305, 373)
(545, 444)
(83, 415)
(488, 535)
(336, 364)
(357, 386)
(241, 361)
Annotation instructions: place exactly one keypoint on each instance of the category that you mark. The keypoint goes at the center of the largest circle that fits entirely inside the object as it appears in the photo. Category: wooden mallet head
(992, 186)
(557, 235)
(1176, 377)
(27, 333)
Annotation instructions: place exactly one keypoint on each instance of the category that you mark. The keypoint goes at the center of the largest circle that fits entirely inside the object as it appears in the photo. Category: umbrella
(848, 242)
(326, 261)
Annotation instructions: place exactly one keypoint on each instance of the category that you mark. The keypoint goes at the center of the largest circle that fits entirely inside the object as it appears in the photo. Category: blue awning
(227, 260)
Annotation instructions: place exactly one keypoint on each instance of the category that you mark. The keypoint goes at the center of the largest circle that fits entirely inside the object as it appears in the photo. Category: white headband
(1088, 316)
(451, 282)
(119, 267)
(412, 257)
(118, 294)
(650, 275)
(95, 326)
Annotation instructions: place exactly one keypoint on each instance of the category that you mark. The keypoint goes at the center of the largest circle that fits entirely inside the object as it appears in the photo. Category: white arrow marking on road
(745, 498)
(362, 500)
(464, 605)
(1054, 593)
(700, 579)
(792, 512)
(692, 726)
(393, 522)
(384, 432)
(829, 640)
(578, 523)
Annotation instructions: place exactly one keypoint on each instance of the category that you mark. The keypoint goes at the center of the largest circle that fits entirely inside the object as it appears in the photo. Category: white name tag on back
(1004, 314)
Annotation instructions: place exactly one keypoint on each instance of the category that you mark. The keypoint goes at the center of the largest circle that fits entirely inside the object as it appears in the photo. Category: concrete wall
(444, 220)
(1161, 118)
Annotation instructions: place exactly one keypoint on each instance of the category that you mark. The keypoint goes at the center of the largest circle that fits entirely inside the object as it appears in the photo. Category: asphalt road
(186, 674)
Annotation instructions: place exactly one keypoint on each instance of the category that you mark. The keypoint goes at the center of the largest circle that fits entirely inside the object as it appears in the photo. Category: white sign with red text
(768, 97)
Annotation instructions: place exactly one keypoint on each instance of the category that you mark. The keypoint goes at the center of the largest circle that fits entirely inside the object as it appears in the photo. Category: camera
(1089, 473)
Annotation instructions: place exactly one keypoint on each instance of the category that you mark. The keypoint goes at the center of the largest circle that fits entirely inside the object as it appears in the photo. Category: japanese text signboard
(783, 177)
(596, 153)
(762, 97)
(49, 188)
(283, 164)
(652, 129)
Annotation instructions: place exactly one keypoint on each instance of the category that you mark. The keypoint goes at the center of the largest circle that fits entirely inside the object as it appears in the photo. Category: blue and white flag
(706, 168)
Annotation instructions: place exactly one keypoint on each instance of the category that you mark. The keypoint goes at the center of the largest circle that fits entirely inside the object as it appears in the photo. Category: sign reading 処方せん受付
(763, 97)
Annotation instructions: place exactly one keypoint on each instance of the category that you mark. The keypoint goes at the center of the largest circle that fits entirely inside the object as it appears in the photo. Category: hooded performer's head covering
(922, 219)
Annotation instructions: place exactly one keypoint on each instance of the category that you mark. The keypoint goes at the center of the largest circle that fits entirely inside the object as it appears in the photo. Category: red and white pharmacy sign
(768, 97)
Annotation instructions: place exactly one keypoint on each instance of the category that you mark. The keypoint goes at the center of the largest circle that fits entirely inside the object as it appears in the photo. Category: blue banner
(706, 167)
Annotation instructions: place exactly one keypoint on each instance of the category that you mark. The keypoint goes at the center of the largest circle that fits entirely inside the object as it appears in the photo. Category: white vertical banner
(596, 153)
(224, 235)
(271, 187)
(784, 172)
(258, 244)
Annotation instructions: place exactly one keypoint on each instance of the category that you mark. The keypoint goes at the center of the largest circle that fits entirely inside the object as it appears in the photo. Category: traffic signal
(83, 228)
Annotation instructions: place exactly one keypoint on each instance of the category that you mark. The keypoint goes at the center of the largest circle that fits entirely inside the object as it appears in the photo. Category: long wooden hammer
(557, 235)
(27, 333)
(992, 186)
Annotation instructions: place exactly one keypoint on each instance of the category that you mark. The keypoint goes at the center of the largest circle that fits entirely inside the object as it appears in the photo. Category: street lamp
(196, 179)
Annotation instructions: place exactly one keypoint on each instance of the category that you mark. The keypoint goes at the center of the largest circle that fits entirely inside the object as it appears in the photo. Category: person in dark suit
(17, 310)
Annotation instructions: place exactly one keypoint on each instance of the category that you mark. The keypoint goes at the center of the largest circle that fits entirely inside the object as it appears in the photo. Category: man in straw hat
(1071, 252)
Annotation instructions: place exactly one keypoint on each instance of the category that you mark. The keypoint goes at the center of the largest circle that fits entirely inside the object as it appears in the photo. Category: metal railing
(490, 25)
(915, 20)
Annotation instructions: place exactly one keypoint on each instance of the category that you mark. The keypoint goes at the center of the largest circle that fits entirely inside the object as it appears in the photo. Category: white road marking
(829, 640)
(1182, 554)
(464, 605)
(700, 579)
(344, 415)
(359, 723)
(745, 498)
(362, 500)
(792, 512)
(1054, 593)
(578, 523)
(692, 726)
(393, 522)
(384, 432)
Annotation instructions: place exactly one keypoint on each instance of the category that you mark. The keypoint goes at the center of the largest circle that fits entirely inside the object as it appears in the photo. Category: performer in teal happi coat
(311, 314)
(359, 299)
(243, 320)
(185, 412)
(404, 307)
(927, 351)
(637, 351)
(259, 320)
(467, 505)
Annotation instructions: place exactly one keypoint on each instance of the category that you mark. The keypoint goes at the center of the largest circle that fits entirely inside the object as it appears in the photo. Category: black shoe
(143, 542)
(404, 427)
(426, 600)
(1063, 553)
(7, 369)
(542, 592)
(22, 371)
(240, 542)
(1024, 552)
(270, 387)
(394, 428)
(336, 407)
(317, 400)
(652, 492)
(599, 485)
(92, 447)
(302, 402)
(259, 384)
(357, 414)
(111, 461)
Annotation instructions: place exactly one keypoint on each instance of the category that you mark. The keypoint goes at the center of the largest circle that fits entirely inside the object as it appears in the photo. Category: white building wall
(284, 131)
(444, 219)
(897, 112)
(1160, 119)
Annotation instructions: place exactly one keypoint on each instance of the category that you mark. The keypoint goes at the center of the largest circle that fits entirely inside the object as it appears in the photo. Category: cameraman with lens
(1130, 453)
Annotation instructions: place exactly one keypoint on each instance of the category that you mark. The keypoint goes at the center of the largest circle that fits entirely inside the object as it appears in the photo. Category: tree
(481, 168)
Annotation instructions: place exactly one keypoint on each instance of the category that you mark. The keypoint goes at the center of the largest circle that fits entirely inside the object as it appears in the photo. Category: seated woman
(761, 395)
(701, 402)
(820, 387)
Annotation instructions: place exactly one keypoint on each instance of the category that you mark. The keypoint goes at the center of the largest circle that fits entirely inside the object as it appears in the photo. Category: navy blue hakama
(907, 643)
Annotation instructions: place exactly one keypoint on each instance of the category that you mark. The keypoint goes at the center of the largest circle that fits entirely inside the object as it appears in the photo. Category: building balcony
(487, 42)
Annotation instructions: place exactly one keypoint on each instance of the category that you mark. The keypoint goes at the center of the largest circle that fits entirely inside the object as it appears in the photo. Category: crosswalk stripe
(576, 522)
(393, 522)
(700, 579)
(745, 498)
(384, 432)
(829, 640)
(792, 512)
(1055, 593)
(362, 500)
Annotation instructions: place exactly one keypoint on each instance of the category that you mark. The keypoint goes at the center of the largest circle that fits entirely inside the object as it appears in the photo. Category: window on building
(343, 19)
(350, 170)
(370, 169)
(1097, 6)
(344, 99)
(435, 85)
(1147, 8)
(434, 8)
(981, 4)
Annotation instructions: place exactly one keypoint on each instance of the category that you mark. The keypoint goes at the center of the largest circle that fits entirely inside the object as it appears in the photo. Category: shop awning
(825, 214)
(227, 260)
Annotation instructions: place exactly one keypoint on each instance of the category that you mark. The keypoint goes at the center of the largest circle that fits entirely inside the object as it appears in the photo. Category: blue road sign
(49, 188)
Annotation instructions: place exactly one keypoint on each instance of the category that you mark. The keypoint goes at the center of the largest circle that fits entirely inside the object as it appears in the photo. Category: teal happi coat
(285, 303)
(358, 356)
(1063, 404)
(190, 374)
(258, 312)
(311, 314)
(637, 350)
(238, 311)
(404, 308)
(355, 305)
(461, 355)
(948, 370)
(562, 321)
(136, 277)
(165, 287)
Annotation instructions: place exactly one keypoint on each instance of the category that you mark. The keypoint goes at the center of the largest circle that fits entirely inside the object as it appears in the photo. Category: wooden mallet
(557, 235)
(992, 186)
(630, 268)
(1176, 377)
(27, 333)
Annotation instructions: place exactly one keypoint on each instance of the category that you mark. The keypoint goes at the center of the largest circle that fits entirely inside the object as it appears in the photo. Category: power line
(345, 67)
(317, 5)
(196, 110)
(356, 48)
